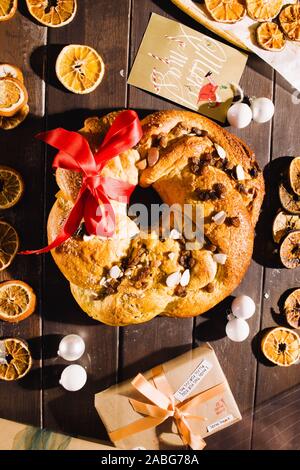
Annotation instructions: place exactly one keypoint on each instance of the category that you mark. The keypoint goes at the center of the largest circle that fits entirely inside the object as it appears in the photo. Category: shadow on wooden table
(212, 323)
(265, 249)
(44, 58)
(24, 11)
(256, 348)
(67, 422)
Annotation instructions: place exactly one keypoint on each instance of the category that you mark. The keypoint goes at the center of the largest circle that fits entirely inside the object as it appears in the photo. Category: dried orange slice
(8, 70)
(17, 301)
(281, 346)
(270, 37)
(79, 68)
(263, 10)
(289, 200)
(284, 223)
(13, 96)
(226, 11)
(15, 359)
(294, 175)
(55, 16)
(11, 187)
(292, 309)
(290, 250)
(289, 20)
(7, 9)
(9, 123)
(9, 244)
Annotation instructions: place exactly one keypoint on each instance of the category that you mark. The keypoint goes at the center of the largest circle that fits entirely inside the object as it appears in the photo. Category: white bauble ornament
(243, 307)
(71, 347)
(262, 109)
(73, 378)
(237, 330)
(239, 115)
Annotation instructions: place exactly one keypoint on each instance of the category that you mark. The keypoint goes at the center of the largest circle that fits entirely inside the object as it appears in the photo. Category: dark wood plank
(143, 346)
(277, 422)
(20, 401)
(104, 26)
(274, 382)
(237, 359)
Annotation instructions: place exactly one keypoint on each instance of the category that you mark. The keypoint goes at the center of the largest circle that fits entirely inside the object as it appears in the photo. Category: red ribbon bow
(93, 201)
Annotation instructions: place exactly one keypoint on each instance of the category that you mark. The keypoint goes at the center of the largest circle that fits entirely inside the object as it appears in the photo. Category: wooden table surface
(267, 396)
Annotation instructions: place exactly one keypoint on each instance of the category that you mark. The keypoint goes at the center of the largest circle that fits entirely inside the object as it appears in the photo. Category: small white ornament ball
(243, 307)
(262, 110)
(73, 378)
(71, 347)
(237, 330)
(239, 115)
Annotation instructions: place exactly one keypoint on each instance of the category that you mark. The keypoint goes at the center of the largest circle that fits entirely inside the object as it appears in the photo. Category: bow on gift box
(164, 406)
(93, 201)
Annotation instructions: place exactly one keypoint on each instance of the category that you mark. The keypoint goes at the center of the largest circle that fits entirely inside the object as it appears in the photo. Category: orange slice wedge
(7, 9)
(226, 11)
(54, 16)
(281, 346)
(15, 359)
(263, 10)
(289, 20)
(270, 37)
(11, 187)
(8, 70)
(13, 96)
(9, 244)
(9, 123)
(17, 301)
(79, 68)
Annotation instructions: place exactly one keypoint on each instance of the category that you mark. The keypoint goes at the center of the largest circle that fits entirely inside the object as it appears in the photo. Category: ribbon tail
(71, 225)
(58, 241)
(194, 441)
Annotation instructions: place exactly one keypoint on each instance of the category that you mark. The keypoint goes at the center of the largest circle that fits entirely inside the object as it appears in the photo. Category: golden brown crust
(141, 292)
(237, 151)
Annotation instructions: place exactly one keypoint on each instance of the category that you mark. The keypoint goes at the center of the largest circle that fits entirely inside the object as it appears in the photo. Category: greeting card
(187, 67)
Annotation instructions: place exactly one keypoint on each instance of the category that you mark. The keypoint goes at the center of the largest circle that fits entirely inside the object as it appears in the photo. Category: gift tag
(194, 379)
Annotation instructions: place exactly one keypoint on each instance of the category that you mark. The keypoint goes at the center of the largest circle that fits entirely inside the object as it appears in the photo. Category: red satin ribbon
(93, 201)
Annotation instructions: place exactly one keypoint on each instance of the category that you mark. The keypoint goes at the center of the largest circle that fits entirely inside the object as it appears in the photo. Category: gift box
(177, 404)
(16, 436)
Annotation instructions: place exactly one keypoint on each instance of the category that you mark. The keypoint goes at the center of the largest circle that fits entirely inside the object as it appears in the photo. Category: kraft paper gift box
(180, 403)
(16, 436)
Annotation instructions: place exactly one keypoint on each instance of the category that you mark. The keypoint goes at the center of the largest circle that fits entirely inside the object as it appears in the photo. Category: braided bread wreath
(199, 163)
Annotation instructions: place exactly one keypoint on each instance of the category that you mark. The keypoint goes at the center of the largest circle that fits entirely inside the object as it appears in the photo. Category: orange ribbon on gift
(164, 407)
